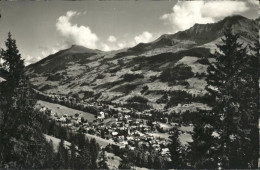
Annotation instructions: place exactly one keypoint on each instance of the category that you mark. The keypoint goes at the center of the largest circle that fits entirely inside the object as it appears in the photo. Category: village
(122, 129)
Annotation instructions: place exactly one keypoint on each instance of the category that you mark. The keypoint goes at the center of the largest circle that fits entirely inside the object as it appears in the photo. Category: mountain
(204, 33)
(62, 59)
(173, 62)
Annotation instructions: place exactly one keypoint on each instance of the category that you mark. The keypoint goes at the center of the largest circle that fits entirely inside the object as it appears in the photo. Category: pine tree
(150, 161)
(225, 84)
(124, 164)
(81, 140)
(85, 158)
(22, 143)
(175, 150)
(252, 96)
(204, 145)
(103, 161)
(12, 60)
(60, 156)
(72, 155)
(158, 164)
(50, 156)
(139, 161)
(94, 150)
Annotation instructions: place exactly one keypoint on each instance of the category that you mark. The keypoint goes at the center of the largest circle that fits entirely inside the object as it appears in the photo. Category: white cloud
(217, 9)
(105, 47)
(30, 59)
(74, 34)
(144, 37)
(111, 39)
(254, 2)
(122, 45)
(186, 13)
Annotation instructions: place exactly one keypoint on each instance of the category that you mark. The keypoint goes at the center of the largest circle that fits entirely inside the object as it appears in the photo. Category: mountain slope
(169, 64)
(62, 59)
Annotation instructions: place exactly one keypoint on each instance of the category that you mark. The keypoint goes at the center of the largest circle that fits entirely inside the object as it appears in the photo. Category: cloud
(116, 44)
(30, 59)
(144, 37)
(124, 44)
(74, 34)
(217, 9)
(254, 3)
(111, 39)
(105, 47)
(186, 13)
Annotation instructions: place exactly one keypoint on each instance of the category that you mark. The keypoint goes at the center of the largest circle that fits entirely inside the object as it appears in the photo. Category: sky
(41, 28)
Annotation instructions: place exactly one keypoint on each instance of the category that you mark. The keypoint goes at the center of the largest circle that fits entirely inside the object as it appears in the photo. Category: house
(69, 124)
(101, 115)
(165, 151)
(114, 133)
(127, 116)
(131, 148)
(129, 138)
(123, 143)
(62, 119)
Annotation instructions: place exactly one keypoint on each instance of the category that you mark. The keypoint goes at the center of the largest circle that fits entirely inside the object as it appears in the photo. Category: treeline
(70, 102)
(84, 155)
(138, 103)
(179, 72)
(81, 154)
(173, 98)
(141, 156)
(148, 157)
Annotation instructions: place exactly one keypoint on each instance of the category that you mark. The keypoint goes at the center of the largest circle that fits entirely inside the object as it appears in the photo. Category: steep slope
(169, 64)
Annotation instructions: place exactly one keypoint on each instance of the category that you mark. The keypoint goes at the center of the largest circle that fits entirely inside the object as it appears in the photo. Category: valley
(135, 98)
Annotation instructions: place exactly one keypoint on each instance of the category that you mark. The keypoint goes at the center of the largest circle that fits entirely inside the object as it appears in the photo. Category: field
(100, 141)
(112, 160)
(56, 141)
(61, 110)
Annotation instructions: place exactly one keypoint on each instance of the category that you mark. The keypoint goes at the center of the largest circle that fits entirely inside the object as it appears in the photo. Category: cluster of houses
(122, 129)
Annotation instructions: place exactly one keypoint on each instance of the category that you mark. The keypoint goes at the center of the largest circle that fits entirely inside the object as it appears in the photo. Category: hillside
(154, 71)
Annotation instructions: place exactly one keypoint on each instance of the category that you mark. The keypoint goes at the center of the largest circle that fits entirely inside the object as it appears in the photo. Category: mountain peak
(204, 33)
(81, 49)
(233, 19)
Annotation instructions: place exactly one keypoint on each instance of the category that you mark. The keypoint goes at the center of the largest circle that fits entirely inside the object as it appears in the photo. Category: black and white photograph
(135, 85)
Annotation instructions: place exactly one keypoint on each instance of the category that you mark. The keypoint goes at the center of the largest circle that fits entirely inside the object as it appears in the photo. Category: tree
(103, 133)
(103, 162)
(150, 161)
(50, 156)
(158, 163)
(12, 60)
(175, 150)
(124, 164)
(60, 156)
(72, 155)
(252, 96)
(85, 158)
(226, 84)
(202, 154)
(94, 150)
(81, 140)
(22, 143)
